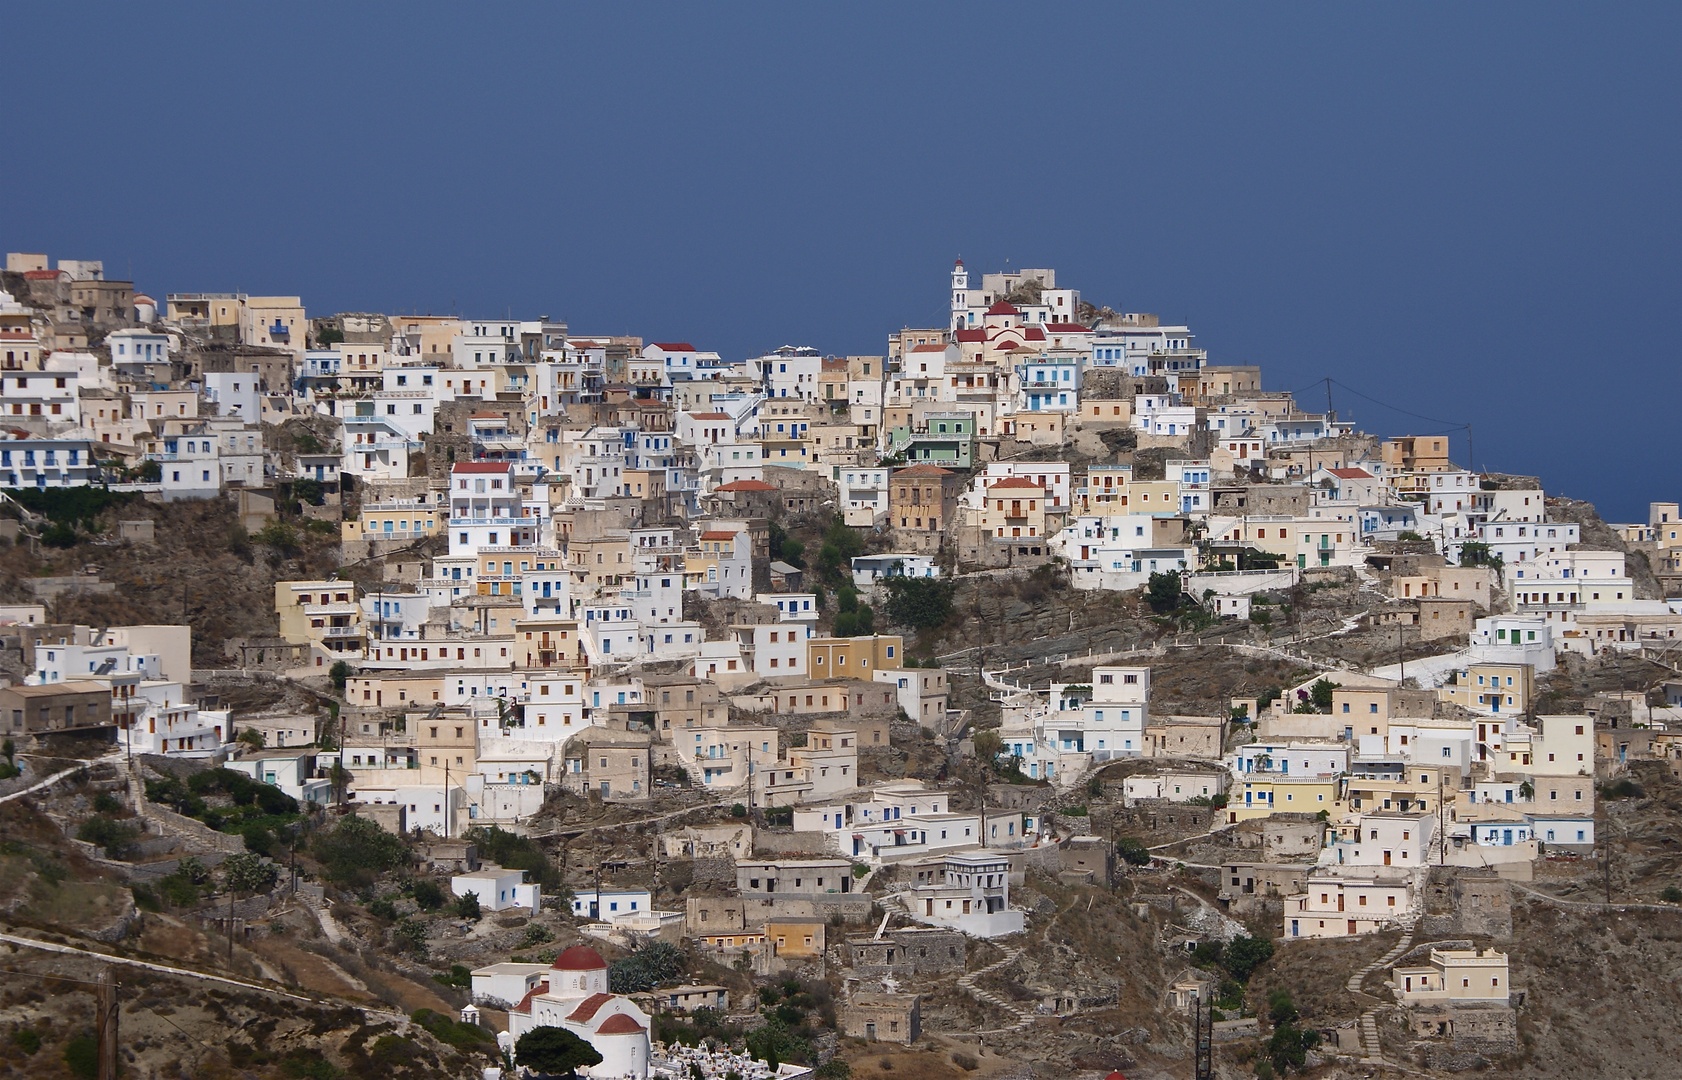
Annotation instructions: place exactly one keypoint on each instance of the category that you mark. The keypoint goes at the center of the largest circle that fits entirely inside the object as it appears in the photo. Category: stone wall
(908, 952)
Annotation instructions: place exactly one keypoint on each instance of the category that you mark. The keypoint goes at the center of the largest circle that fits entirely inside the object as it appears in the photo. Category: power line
(1458, 425)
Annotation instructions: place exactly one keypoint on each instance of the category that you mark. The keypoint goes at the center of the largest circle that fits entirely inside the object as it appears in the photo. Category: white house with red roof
(574, 996)
(485, 508)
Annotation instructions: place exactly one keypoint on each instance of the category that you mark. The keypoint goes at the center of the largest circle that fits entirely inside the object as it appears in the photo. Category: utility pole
(107, 1023)
(1202, 1028)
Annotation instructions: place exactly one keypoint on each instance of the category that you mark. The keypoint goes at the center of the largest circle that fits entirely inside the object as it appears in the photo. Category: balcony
(341, 632)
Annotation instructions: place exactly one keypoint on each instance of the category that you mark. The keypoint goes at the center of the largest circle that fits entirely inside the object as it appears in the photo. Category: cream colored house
(1479, 975)
(1337, 906)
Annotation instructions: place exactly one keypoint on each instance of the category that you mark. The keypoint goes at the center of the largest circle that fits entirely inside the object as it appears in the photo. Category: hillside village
(401, 695)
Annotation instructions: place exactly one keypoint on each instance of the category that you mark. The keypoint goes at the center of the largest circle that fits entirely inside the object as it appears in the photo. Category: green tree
(339, 672)
(1321, 694)
(428, 895)
(1133, 850)
(918, 602)
(356, 851)
(1288, 1048)
(655, 963)
(1243, 955)
(467, 906)
(516, 852)
(1477, 553)
(115, 837)
(251, 737)
(1163, 592)
(988, 744)
(248, 873)
(555, 1051)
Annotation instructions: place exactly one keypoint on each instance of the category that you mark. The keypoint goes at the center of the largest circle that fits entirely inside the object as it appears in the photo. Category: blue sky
(1468, 213)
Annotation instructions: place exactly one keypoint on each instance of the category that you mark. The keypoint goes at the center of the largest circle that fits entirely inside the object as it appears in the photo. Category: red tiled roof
(42, 275)
(620, 1024)
(746, 485)
(1002, 308)
(1034, 333)
(709, 416)
(674, 346)
(1067, 328)
(1352, 474)
(1014, 482)
(579, 958)
(480, 466)
(588, 1007)
(718, 534)
(525, 1003)
(929, 348)
(972, 335)
(923, 470)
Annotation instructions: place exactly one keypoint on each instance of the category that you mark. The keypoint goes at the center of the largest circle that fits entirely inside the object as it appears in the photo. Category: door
(1340, 901)
(1352, 926)
(1386, 858)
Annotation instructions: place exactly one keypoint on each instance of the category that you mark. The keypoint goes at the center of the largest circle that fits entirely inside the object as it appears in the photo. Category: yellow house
(1261, 796)
(395, 689)
(1013, 507)
(1106, 410)
(392, 521)
(324, 615)
(1416, 789)
(1494, 688)
(852, 657)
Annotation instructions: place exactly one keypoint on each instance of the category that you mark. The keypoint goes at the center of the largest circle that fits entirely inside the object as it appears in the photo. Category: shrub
(106, 803)
(966, 1062)
(1622, 789)
(248, 873)
(428, 895)
(26, 1040)
(115, 837)
(467, 907)
(81, 1055)
(410, 934)
(1671, 895)
(920, 603)
(648, 967)
(517, 852)
(1134, 851)
(1244, 955)
(383, 908)
(355, 851)
(452, 1032)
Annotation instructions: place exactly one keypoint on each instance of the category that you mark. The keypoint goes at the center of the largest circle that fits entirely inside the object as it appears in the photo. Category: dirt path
(57, 776)
(188, 973)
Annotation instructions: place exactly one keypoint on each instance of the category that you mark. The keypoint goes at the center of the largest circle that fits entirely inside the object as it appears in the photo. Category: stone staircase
(1373, 1050)
(967, 983)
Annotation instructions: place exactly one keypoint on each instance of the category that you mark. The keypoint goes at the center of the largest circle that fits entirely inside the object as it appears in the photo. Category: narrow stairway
(967, 982)
(1370, 1045)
